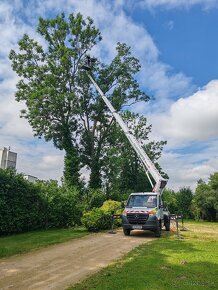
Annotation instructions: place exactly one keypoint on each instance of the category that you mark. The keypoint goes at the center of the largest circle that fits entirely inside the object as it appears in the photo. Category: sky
(176, 42)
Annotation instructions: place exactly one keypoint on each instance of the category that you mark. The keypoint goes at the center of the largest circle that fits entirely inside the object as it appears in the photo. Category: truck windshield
(149, 201)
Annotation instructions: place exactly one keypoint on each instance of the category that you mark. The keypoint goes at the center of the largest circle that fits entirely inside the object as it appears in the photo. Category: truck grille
(137, 218)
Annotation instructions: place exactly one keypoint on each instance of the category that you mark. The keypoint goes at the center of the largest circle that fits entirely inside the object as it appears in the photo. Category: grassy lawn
(20, 243)
(166, 263)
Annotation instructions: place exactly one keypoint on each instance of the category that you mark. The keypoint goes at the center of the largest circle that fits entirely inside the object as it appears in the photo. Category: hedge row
(25, 206)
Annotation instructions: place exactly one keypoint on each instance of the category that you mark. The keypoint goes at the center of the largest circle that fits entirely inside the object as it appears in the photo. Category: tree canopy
(206, 198)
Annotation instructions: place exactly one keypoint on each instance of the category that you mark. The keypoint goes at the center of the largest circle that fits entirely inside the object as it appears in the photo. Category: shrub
(101, 218)
(112, 206)
(97, 219)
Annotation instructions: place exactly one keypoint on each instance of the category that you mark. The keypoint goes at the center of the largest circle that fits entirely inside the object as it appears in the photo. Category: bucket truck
(143, 210)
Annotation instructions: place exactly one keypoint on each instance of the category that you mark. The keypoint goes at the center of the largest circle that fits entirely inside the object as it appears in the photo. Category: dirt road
(60, 266)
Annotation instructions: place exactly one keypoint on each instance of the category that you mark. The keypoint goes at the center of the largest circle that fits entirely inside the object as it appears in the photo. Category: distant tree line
(26, 206)
(200, 204)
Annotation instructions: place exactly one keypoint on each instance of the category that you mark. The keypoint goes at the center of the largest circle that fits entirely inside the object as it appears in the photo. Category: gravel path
(60, 266)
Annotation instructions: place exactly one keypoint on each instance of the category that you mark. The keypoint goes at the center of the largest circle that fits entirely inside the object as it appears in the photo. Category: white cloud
(170, 4)
(187, 169)
(194, 118)
(190, 128)
(50, 162)
(39, 159)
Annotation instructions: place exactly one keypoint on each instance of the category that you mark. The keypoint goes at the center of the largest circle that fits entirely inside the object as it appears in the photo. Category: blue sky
(187, 39)
(176, 42)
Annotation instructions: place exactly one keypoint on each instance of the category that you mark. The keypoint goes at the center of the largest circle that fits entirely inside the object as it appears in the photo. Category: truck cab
(145, 211)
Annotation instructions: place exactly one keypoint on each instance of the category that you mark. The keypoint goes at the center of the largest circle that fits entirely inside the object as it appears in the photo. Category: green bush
(97, 219)
(94, 198)
(112, 206)
(101, 218)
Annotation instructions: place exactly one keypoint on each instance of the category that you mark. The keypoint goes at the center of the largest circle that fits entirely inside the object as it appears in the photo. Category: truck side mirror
(123, 204)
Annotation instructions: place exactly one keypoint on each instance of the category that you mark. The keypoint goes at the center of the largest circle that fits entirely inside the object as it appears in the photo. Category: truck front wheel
(157, 232)
(167, 223)
(126, 232)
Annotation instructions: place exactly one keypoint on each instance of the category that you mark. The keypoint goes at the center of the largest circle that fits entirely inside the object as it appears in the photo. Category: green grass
(21, 243)
(167, 263)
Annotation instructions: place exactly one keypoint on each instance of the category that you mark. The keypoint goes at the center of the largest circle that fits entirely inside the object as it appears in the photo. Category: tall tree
(61, 104)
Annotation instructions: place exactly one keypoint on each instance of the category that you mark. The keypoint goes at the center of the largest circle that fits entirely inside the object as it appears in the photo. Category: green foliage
(179, 202)
(117, 81)
(94, 198)
(112, 206)
(20, 204)
(63, 207)
(114, 195)
(203, 204)
(184, 201)
(169, 196)
(101, 218)
(25, 206)
(71, 167)
(205, 201)
(97, 219)
(213, 181)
